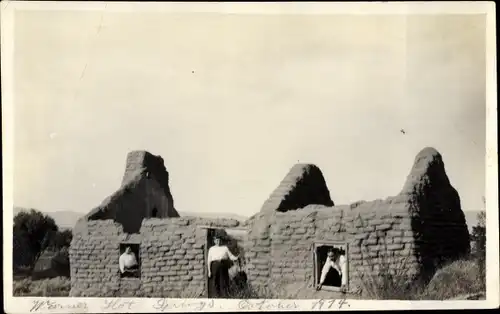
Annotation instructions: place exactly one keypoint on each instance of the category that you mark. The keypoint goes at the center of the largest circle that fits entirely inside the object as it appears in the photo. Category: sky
(231, 102)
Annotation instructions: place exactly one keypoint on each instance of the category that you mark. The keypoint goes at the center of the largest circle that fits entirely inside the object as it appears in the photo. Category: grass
(54, 287)
(461, 279)
(392, 281)
(456, 280)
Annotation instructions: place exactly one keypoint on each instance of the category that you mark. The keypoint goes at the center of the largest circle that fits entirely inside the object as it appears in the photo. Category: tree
(60, 262)
(479, 237)
(33, 232)
(61, 239)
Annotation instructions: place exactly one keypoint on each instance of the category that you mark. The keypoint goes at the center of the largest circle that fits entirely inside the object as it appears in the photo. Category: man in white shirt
(128, 262)
(335, 268)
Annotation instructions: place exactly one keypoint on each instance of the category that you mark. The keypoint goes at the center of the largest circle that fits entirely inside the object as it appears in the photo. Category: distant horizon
(83, 213)
(187, 211)
(68, 222)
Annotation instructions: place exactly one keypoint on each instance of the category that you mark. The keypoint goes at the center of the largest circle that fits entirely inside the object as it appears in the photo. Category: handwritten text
(50, 305)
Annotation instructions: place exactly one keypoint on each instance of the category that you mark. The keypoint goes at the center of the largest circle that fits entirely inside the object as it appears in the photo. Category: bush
(55, 287)
(61, 239)
(32, 234)
(392, 281)
(60, 262)
(479, 238)
(461, 277)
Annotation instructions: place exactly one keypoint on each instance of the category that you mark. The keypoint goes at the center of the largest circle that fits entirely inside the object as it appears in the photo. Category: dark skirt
(333, 278)
(219, 281)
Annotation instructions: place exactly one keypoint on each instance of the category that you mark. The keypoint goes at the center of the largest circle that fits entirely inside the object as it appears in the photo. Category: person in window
(334, 270)
(128, 262)
(218, 264)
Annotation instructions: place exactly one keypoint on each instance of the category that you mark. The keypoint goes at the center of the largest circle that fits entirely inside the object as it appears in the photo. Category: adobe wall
(144, 189)
(303, 185)
(411, 233)
(171, 254)
(143, 162)
(439, 224)
(376, 234)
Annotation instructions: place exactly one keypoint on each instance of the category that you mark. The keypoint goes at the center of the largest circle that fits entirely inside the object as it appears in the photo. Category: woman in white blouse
(128, 262)
(218, 267)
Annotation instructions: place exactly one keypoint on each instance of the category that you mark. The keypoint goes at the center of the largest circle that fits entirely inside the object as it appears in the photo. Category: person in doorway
(128, 262)
(334, 270)
(218, 264)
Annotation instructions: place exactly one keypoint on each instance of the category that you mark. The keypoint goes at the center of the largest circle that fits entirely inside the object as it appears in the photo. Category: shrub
(60, 262)
(32, 234)
(393, 280)
(458, 278)
(479, 238)
(55, 287)
(61, 239)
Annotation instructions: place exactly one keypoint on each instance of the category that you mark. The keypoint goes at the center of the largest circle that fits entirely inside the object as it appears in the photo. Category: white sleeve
(343, 266)
(231, 256)
(324, 271)
(209, 258)
(122, 264)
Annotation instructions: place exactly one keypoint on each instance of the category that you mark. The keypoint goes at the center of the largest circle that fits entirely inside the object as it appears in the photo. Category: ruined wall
(93, 257)
(438, 221)
(303, 185)
(144, 191)
(409, 234)
(378, 234)
(153, 167)
(171, 253)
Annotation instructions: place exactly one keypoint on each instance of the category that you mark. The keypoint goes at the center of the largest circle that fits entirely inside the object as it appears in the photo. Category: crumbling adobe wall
(93, 256)
(378, 234)
(171, 254)
(154, 167)
(303, 185)
(406, 234)
(174, 256)
(412, 232)
(441, 232)
(144, 190)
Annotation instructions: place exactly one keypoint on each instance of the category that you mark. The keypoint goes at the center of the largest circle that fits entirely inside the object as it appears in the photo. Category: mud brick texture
(171, 253)
(144, 190)
(412, 232)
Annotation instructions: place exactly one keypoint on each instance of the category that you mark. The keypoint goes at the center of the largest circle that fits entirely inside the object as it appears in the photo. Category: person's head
(333, 254)
(218, 236)
(217, 240)
(128, 250)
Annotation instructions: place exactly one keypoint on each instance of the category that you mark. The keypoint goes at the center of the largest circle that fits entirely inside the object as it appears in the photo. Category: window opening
(331, 266)
(129, 261)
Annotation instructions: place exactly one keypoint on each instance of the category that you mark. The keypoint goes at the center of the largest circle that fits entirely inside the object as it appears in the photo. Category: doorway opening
(233, 271)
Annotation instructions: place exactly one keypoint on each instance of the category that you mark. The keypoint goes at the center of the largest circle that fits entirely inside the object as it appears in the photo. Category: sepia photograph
(247, 152)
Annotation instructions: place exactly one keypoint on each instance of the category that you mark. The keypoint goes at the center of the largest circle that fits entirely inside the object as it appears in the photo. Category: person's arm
(343, 267)
(134, 259)
(209, 261)
(231, 256)
(324, 272)
(122, 264)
